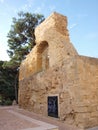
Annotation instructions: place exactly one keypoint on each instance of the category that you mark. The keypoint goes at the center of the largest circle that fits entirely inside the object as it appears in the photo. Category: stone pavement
(95, 128)
(10, 119)
(14, 118)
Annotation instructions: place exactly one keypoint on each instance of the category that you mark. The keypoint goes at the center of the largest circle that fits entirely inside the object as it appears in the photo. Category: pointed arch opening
(42, 56)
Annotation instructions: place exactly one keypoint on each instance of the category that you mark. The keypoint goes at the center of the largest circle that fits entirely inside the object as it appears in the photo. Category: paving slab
(14, 118)
(94, 128)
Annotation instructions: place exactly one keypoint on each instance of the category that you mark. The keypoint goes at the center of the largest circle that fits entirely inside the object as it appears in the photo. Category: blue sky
(82, 21)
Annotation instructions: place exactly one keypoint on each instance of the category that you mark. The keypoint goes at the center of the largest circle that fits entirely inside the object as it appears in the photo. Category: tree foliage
(21, 40)
(7, 86)
(21, 37)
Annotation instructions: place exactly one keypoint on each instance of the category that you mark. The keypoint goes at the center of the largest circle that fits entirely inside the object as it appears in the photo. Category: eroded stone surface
(54, 67)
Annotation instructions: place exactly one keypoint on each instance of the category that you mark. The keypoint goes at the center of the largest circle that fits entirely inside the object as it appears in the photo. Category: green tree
(7, 87)
(21, 40)
(21, 37)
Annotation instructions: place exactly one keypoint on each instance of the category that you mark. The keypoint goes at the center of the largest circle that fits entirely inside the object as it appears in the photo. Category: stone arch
(42, 56)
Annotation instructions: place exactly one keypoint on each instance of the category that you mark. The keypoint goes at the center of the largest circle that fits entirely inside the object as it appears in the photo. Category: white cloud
(52, 8)
(30, 2)
(3, 55)
(3, 47)
(3, 52)
(26, 6)
(1, 1)
(73, 25)
(81, 16)
(40, 8)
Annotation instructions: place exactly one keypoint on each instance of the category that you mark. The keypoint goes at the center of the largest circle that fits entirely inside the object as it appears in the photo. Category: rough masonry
(54, 69)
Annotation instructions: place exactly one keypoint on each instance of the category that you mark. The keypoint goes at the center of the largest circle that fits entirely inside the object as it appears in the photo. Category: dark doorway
(53, 106)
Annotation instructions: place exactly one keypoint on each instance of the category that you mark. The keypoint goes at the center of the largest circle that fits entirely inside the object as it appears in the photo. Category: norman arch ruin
(55, 71)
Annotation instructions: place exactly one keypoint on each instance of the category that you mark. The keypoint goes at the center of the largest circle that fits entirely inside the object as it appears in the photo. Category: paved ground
(95, 128)
(13, 118)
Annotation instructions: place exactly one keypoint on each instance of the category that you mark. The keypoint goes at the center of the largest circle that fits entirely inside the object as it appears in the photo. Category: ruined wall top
(52, 47)
(56, 22)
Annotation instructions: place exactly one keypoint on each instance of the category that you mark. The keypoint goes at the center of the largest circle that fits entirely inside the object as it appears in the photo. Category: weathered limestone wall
(54, 67)
(28, 65)
(57, 80)
(75, 83)
(54, 31)
(86, 92)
